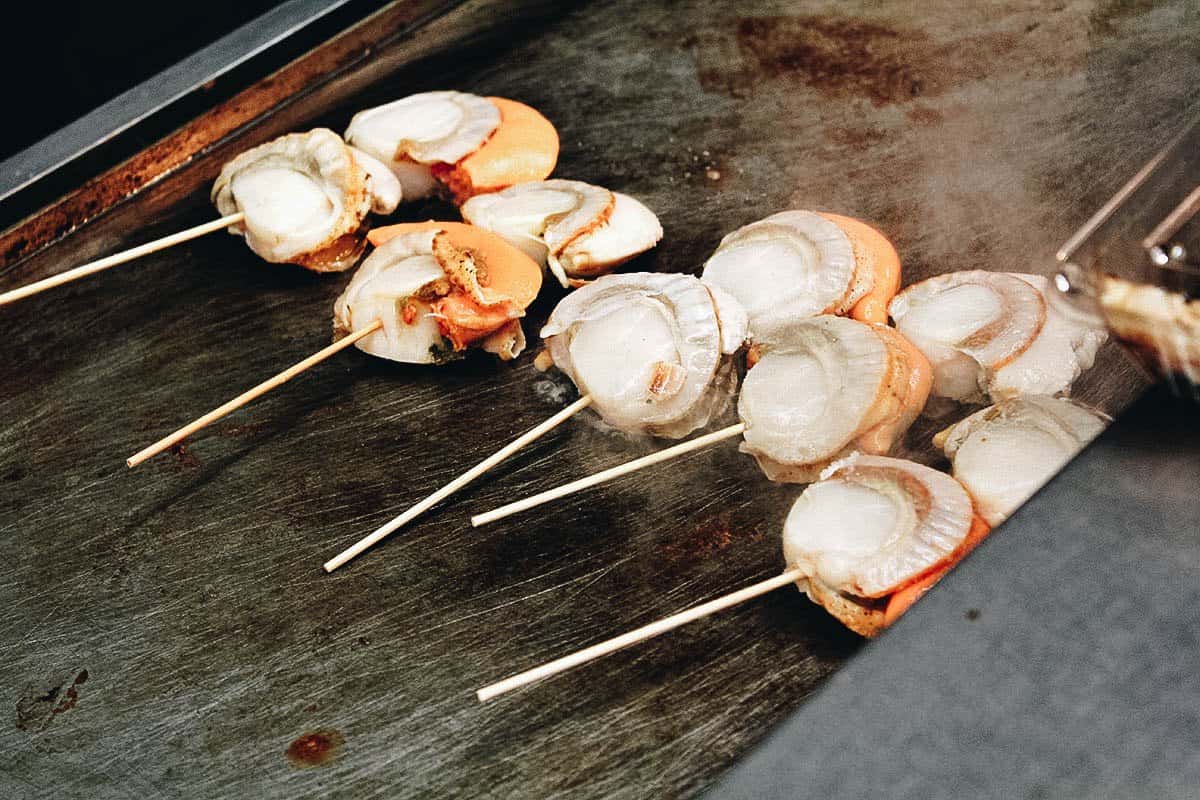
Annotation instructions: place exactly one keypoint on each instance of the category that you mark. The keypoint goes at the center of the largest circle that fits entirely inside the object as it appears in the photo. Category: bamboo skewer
(608, 474)
(245, 397)
(639, 635)
(102, 264)
(462, 480)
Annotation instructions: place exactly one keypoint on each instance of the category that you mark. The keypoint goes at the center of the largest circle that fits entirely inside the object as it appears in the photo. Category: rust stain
(710, 537)
(183, 457)
(174, 151)
(38, 709)
(235, 431)
(315, 749)
(925, 116)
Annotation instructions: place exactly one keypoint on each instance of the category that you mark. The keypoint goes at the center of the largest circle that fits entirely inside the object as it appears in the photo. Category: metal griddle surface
(169, 631)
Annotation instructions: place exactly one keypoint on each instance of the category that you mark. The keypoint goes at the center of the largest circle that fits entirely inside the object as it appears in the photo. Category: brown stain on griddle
(315, 749)
(706, 539)
(838, 56)
(37, 709)
(183, 457)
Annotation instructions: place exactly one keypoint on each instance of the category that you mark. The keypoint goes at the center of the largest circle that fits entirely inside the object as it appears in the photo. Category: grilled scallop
(799, 264)
(872, 529)
(651, 349)
(438, 288)
(992, 335)
(577, 229)
(467, 143)
(824, 387)
(1004, 453)
(305, 196)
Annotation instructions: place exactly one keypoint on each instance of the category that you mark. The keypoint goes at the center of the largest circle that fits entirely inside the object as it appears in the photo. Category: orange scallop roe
(523, 148)
(507, 274)
(509, 281)
(874, 248)
(902, 600)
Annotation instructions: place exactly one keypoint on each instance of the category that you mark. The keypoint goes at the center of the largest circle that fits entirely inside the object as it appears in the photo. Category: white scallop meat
(576, 229)
(647, 347)
(1006, 452)
(304, 197)
(413, 134)
(874, 524)
(786, 267)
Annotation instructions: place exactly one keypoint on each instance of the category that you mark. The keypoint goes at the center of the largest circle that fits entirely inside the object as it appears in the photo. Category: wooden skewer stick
(608, 474)
(120, 258)
(250, 394)
(640, 635)
(459, 482)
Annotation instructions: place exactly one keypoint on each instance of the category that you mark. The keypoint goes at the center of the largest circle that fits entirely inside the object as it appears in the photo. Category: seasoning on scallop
(826, 386)
(578, 230)
(461, 142)
(438, 288)
(651, 350)
(305, 197)
(993, 335)
(799, 264)
(873, 534)
(1004, 453)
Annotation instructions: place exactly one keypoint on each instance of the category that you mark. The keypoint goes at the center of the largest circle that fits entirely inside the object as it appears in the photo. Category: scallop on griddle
(1005, 452)
(578, 230)
(994, 335)
(799, 264)
(822, 387)
(651, 349)
(438, 288)
(458, 142)
(305, 197)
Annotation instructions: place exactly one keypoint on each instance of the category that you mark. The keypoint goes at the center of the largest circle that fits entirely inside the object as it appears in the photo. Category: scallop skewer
(994, 335)
(301, 198)
(650, 352)
(818, 389)
(864, 542)
(426, 293)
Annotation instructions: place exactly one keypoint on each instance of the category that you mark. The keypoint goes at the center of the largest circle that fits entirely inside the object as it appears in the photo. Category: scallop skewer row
(818, 389)
(650, 352)
(303, 198)
(426, 293)
(865, 542)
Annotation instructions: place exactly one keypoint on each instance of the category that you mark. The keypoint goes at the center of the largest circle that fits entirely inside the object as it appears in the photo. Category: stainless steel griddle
(169, 631)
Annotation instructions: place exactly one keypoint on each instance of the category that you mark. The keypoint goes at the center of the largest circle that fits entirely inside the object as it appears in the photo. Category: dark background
(63, 59)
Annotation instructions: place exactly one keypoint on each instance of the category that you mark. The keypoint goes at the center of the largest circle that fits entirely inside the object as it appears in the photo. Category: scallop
(1006, 452)
(397, 285)
(304, 196)
(647, 347)
(869, 527)
(786, 267)
(824, 387)
(413, 134)
(576, 229)
(384, 186)
(993, 335)
(439, 288)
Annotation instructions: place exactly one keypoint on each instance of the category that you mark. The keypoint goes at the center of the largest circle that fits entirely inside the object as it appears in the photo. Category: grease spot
(315, 749)
(972, 614)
